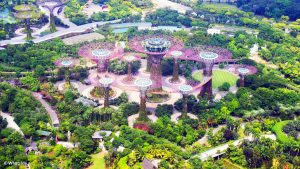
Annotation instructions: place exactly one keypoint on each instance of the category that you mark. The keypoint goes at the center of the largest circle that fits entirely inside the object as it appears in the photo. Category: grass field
(219, 77)
(229, 165)
(98, 161)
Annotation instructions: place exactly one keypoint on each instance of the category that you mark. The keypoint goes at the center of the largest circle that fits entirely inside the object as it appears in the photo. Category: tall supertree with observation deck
(208, 56)
(100, 53)
(156, 47)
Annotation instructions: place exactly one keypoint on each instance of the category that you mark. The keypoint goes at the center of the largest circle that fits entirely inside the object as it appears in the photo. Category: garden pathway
(52, 113)
(204, 139)
(10, 122)
(214, 152)
(254, 55)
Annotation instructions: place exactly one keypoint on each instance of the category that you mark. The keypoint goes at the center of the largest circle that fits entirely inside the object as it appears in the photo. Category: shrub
(164, 110)
(224, 87)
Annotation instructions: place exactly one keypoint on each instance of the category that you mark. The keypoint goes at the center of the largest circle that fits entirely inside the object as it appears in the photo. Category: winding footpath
(10, 122)
(214, 152)
(52, 113)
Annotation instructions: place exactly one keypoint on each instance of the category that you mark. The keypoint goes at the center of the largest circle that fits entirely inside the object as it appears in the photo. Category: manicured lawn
(281, 136)
(98, 161)
(229, 165)
(219, 77)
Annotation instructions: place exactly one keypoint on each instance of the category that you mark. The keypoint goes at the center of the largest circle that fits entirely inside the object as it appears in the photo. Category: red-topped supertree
(129, 58)
(156, 47)
(207, 55)
(101, 53)
(244, 70)
(67, 62)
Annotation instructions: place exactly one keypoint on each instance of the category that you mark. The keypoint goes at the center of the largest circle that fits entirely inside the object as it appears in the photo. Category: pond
(4, 13)
(6, 16)
(120, 30)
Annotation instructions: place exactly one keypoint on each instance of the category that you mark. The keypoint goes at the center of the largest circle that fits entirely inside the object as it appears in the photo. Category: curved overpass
(58, 34)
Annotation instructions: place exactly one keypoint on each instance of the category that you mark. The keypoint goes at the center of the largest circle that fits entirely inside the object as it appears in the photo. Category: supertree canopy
(155, 44)
(156, 47)
(208, 55)
(100, 53)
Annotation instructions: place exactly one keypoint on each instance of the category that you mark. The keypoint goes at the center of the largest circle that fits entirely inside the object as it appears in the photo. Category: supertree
(175, 55)
(67, 63)
(244, 70)
(185, 90)
(51, 5)
(101, 53)
(129, 58)
(156, 47)
(26, 12)
(106, 82)
(143, 84)
(208, 56)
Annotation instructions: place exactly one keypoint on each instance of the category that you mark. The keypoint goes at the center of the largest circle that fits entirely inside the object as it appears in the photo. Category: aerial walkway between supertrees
(51, 5)
(156, 47)
(101, 53)
(208, 56)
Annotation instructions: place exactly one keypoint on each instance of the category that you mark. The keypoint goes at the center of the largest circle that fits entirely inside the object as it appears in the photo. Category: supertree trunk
(242, 80)
(206, 90)
(129, 71)
(207, 69)
(156, 72)
(28, 30)
(143, 111)
(52, 22)
(175, 77)
(67, 77)
(185, 108)
(102, 66)
(148, 68)
(106, 97)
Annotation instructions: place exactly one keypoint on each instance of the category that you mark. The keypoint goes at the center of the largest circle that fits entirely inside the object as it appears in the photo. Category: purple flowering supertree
(208, 56)
(129, 58)
(156, 47)
(244, 70)
(100, 53)
(67, 63)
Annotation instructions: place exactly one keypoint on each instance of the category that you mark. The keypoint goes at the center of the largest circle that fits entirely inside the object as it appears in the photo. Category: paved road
(75, 29)
(11, 123)
(52, 113)
(214, 152)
